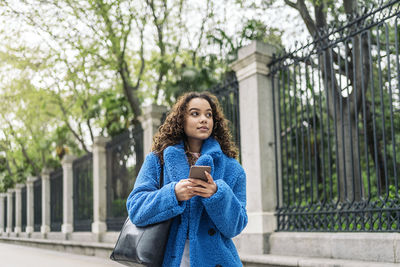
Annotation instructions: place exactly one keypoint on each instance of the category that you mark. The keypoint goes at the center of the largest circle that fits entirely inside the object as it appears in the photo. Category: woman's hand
(203, 189)
(183, 190)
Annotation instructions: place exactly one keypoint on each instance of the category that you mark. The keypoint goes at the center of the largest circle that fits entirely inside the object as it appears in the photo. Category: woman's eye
(209, 115)
(194, 113)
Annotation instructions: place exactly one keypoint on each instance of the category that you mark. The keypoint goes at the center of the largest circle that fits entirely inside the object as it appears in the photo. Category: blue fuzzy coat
(208, 223)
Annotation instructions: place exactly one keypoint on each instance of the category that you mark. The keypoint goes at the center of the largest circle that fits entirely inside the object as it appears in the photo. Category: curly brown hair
(171, 132)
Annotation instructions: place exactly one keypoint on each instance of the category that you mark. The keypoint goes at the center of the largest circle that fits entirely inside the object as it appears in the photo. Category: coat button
(211, 231)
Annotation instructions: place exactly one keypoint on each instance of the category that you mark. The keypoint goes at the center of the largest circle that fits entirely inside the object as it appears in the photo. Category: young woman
(206, 214)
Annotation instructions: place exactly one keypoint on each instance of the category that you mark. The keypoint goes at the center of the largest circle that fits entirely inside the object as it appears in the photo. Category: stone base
(260, 222)
(44, 229)
(98, 230)
(110, 237)
(67, 228)
(252, 243)
(37, 235)
(99, 227)
(380, 247)
(83, 237)
(293, 261)
(17, 230)
(29, 230)
(55, 236)
(13, 234)
(23, 235)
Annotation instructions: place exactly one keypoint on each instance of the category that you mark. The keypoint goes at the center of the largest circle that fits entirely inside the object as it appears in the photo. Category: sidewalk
(22, 256)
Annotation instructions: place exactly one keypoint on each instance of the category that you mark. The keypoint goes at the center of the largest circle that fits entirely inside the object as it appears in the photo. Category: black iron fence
(227, 93)
(338, 101)
(23, 209)
(5, 214)
(13, 211)
(37, 204)
(56, 200)
(124, 159)
(83, 192)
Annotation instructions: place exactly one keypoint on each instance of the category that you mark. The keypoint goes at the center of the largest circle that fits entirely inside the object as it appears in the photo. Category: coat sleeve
(227, 207)
(147, 204)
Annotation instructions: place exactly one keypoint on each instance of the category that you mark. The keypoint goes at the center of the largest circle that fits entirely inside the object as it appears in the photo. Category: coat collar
(176, 162)
(210, 147)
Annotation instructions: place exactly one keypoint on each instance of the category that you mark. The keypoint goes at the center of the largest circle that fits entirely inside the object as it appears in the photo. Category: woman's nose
(203, 118)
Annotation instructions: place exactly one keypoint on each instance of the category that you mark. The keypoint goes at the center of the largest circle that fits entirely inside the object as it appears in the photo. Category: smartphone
(197, 172)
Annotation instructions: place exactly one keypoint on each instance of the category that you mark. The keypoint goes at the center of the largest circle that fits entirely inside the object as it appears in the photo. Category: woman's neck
(194, 145)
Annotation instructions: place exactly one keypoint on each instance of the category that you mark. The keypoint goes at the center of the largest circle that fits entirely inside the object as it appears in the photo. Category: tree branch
(66, 121)
(8, 167)
(305, 15)
(142, 59)
(5, 149)
(24, 152)
(320, 14)
(291, 4)
(203, 22)
(159, 24)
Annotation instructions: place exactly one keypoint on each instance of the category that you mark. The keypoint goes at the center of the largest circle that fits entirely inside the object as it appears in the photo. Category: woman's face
(198, 123)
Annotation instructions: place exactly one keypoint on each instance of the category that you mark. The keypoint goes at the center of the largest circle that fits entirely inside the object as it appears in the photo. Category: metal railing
(23, 209)
(227, 93)
(13, 211)
(5, 214)
(124, 159)
(37, 204)
(83, 192)
(56, 200)
(337, 102)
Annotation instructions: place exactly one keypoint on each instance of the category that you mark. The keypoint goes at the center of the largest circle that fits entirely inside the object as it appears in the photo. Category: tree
(345, 77)
(95, 62)
(27, 142)
(352, 65)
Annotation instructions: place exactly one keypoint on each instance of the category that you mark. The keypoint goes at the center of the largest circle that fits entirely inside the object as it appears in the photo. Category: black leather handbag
(142, 246)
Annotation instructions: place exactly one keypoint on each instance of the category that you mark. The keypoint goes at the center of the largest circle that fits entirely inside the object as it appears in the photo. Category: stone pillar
(29, 205)
(9, 210)
(2, 210)
(150, 120)
(99, 225)
(45, 227)
(257, 143)
(68, 190)
(18, 208)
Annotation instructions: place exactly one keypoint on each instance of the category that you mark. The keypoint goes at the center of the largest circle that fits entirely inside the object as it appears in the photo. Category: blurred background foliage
(71, 70)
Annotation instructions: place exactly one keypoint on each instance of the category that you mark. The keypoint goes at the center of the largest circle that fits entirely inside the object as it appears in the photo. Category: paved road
(21, 256)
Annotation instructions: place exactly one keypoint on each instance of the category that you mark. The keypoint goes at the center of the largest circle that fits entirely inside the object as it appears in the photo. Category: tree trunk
(375, 149)
(358, 63)
(349, 178)
(130, 93)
